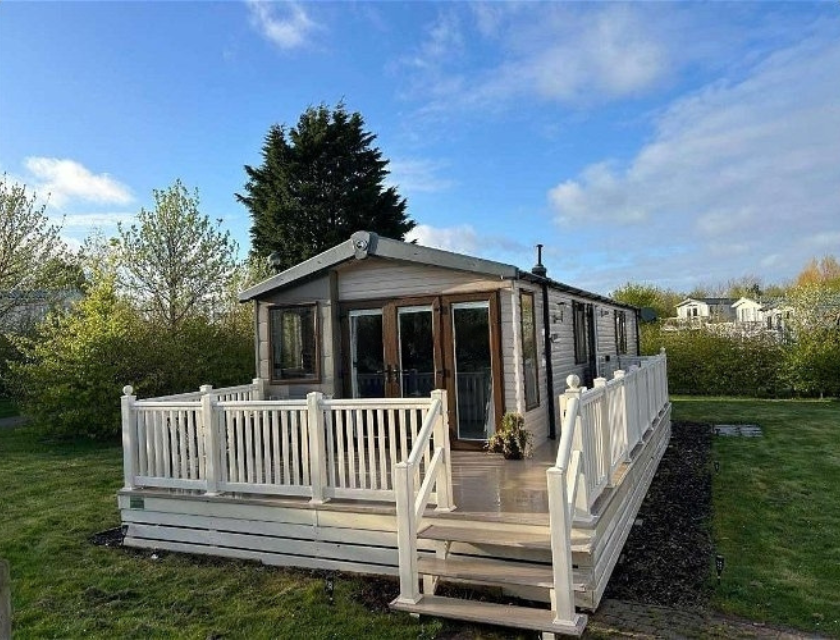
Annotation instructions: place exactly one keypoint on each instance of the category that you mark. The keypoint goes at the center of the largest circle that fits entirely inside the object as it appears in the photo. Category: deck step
(489, 613)
(489, 571)
(488, 535)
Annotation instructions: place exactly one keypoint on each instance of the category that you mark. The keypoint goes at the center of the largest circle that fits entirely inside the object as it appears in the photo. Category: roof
(364, 244)
(713, 302)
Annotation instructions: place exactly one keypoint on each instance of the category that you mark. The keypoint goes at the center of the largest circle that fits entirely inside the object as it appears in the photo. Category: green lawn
(53, 497)
(777, 509)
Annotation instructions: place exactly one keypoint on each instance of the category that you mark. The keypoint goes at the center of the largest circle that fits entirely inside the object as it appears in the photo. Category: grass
(776, 509)
(7, 408)
(55, 496)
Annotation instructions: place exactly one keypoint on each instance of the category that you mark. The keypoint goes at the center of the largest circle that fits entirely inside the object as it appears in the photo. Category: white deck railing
(601, 427)
(232, 440)
(424, 476)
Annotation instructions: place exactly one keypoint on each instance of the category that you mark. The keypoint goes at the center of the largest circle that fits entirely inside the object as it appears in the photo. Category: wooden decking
(487, 485)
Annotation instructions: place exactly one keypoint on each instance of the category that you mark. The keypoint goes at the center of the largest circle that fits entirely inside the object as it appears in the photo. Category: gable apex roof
(366, 243)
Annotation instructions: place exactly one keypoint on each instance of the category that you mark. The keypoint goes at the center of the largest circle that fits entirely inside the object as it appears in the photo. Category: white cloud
(460, 239)
(418, 175)
(67, 180)
(286, 25)
(733, 175)
(558, 53)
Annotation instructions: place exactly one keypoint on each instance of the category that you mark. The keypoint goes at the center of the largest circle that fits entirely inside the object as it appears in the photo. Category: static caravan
(377, 318)
(382, 368)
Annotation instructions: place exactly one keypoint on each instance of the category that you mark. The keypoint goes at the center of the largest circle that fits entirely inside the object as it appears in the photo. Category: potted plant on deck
(513, 440)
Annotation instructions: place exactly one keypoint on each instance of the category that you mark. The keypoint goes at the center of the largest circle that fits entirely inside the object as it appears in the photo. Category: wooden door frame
(495, 339)
(443, 346)
(390, 341)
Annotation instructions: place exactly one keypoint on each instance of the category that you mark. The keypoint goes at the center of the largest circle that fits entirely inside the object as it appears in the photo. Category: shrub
(73, 370)
(705, 362)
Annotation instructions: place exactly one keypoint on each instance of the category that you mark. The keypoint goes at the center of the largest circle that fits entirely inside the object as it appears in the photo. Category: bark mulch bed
(667, 559)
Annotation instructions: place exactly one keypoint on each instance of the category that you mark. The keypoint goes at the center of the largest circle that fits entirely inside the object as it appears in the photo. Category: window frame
(620, 332)
(534, 402)
(580, 327)
(316, 332)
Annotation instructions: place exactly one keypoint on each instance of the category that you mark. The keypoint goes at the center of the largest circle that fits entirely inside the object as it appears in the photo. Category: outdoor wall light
(558, 316)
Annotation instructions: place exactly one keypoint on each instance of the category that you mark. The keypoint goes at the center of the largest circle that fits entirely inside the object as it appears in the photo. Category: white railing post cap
(128, 390)
(573, 381)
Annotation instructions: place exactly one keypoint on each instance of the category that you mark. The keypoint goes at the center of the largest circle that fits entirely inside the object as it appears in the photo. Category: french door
(408, 348)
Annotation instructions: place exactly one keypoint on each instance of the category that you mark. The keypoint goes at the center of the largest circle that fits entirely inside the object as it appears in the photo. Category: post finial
(662, 350)
(128, 390)
(573, 381)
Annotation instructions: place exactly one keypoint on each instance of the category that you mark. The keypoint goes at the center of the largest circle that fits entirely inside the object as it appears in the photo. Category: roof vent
(539, 269)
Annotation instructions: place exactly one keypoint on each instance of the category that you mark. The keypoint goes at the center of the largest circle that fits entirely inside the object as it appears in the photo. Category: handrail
(421, 443)
(564, 450)
(411, 504)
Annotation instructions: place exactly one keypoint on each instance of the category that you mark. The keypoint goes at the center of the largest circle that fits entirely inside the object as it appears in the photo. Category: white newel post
(575, 391)
(259, 389)
(561, 545)
(129, 436)
(212, 448)
(622, 414)
(317, 448)
(441, 439)
(606, 429)
(406, 533)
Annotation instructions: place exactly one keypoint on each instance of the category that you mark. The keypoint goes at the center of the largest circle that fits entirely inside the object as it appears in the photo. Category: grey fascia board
(567, 288)
(315, 264)
(396, 250)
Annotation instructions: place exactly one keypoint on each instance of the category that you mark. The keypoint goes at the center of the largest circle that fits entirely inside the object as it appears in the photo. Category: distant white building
(748, 310)
(731, 316)
(706, 309)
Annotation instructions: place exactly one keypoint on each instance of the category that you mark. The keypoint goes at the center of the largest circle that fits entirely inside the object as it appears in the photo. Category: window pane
(473, 370)
(620, 332)
(529, 351)
(293, 343)
(581, 335)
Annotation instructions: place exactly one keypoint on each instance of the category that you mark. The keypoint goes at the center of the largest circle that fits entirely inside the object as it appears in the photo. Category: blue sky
(674, 143)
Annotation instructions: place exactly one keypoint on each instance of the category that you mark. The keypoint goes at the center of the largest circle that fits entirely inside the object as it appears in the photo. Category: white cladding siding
(375, 278)
(316, 291)
(563, 347)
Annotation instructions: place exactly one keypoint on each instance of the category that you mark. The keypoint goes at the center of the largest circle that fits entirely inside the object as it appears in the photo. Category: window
(530, 362)
(581, 332)
(620, 331)
(294, 343)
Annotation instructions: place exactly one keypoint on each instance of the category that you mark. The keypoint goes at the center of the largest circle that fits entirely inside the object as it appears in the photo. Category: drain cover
(742, 430)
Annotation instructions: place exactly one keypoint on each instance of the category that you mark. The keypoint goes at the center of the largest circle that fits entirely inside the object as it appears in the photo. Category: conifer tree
(319, 182)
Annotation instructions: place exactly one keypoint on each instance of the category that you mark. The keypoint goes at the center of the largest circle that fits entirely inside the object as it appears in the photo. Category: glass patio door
(473, 372)
(416, 349)
(392, 352)
(367, 356)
